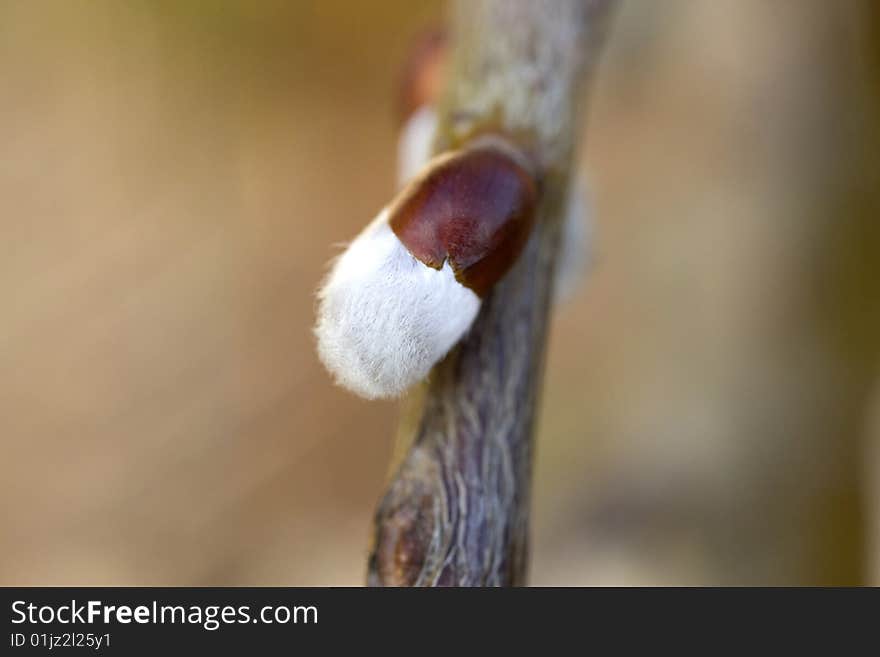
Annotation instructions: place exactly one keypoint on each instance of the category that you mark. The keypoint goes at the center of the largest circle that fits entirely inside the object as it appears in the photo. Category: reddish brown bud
(422, 78)
(474, 207)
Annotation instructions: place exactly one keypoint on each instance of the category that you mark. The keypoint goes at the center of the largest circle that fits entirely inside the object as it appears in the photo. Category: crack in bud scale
(408, 288)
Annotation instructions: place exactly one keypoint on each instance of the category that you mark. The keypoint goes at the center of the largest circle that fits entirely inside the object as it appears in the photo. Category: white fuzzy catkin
(415, 142)
(385, 318)
(575, 243)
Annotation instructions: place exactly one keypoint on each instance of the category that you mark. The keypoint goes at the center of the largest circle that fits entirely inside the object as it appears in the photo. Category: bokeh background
(174, 176)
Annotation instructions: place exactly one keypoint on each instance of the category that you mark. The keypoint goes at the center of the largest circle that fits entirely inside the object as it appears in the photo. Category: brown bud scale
(475, 208)
(424, 73)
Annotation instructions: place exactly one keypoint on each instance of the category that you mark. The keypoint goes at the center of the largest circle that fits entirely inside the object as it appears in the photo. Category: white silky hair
(575, 253)
(385, 318)
(415, 143)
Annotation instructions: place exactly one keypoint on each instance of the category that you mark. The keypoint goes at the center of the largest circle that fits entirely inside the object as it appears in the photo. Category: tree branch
(456, 511)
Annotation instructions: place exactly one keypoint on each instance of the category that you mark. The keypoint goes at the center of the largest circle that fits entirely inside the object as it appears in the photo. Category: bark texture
(457, 507)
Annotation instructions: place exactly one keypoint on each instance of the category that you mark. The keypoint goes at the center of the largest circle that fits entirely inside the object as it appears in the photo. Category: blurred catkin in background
(174, 177)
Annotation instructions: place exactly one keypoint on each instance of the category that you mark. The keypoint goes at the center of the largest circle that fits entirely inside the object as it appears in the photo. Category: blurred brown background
(174, 175)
